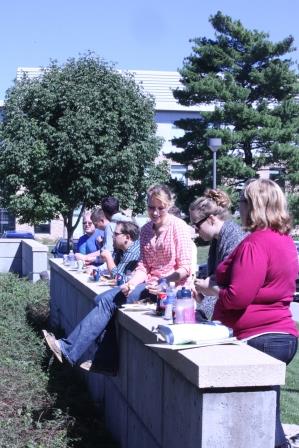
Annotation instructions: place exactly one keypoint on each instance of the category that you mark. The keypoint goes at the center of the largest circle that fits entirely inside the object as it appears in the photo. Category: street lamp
(214, 144)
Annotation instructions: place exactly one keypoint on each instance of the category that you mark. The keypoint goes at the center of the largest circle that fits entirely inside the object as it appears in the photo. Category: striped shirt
(163, 254)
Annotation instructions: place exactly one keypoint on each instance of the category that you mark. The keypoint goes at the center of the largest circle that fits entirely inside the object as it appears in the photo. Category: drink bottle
(160, 308)
(170, 301)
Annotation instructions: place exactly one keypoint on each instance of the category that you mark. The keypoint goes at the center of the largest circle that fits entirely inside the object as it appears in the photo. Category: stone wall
(216, 396)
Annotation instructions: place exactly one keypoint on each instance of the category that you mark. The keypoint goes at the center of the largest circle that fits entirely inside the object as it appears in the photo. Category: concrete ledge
(213, 366)
(25, 257)
(216, 396)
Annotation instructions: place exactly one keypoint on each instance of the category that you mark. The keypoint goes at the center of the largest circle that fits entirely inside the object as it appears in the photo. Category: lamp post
(214, 144)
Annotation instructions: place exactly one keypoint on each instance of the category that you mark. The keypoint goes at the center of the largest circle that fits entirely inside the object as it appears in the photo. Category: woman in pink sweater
(257, 280)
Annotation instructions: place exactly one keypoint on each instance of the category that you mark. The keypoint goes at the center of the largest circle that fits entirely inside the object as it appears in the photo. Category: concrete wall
(27, 258)
(215, 396)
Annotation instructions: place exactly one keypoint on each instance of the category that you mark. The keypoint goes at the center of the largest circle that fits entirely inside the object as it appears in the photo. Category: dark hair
(110, 205)
(129, 228)
(97, 214)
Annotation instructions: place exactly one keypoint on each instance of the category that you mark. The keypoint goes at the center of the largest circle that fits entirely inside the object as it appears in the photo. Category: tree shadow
(82, 417)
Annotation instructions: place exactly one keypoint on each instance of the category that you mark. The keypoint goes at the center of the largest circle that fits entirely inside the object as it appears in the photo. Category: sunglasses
(118, 233)
(200, 222)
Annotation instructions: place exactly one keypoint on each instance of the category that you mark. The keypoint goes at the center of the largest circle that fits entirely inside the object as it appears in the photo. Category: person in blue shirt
(90, 241)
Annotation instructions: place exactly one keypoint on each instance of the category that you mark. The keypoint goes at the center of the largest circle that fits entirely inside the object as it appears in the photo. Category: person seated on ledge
(105, 219)
(211, 218)
(89, 242)
(258, 279)
(126, 256)
(165, 246)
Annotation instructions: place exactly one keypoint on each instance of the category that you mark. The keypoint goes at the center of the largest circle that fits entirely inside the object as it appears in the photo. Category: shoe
(53, 345)
(89, 367)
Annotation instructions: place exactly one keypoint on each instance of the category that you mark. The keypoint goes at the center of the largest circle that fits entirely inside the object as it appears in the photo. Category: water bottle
(184, 310)
(170, 301)
(189, 312)
(72, 259)
(179, 308)
(160, 308)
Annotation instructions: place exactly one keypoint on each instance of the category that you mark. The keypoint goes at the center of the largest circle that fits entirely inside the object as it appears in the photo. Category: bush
(41, 407)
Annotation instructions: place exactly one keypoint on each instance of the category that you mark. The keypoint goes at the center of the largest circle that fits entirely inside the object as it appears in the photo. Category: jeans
(283, 347)
(97, 328)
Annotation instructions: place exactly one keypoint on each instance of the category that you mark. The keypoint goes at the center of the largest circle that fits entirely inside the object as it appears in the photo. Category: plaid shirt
(126, 260)
(162, 255)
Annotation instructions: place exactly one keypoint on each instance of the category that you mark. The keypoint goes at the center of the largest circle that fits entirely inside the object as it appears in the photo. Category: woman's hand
(153, 288)
(126, 288)
(206, 287)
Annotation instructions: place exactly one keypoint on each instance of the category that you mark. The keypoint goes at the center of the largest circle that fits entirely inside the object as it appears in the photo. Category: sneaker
(88, 365)
(53, 345)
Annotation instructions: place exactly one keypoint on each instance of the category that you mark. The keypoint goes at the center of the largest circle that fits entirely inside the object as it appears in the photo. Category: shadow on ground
(83, 419)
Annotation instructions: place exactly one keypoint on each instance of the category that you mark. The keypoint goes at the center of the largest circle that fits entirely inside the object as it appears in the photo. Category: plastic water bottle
(184, 310)
(160, 308)
(189, 312)
(72, 259)
(170, 301)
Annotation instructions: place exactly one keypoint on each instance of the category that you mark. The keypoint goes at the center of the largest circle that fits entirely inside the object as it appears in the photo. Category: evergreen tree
(250, 85)
(77, 133)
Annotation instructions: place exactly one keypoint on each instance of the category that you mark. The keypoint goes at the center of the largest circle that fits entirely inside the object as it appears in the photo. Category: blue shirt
(88, 244)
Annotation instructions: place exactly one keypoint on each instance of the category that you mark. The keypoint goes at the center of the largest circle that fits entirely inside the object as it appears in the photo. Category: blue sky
(135, 34)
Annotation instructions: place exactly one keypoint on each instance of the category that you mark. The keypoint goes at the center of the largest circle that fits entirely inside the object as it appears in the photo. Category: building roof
(160, 84)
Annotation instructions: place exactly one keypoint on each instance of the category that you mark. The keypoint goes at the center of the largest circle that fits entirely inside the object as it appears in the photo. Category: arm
(108, 258)
(108, 237)
(183, 252)
(247, 275)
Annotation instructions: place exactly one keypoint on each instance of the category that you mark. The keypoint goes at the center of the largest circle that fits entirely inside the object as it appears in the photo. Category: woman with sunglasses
(257, 281)
(211, 218)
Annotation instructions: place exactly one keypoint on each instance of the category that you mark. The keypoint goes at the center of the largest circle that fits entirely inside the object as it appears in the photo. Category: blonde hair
(162, 193)
(267, 206)
(213, 202)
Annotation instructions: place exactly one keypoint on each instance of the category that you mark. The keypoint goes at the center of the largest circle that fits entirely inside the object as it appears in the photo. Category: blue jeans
(97, 328)
(283, 347)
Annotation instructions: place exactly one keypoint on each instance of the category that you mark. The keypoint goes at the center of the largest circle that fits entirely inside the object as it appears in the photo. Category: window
(42, 228)
(178, 172)
(7, 221)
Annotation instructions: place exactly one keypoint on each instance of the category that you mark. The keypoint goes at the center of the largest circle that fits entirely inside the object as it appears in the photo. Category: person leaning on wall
(210, 216)
(258, 279)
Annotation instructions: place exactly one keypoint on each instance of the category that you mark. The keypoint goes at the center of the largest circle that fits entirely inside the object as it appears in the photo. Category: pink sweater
(257, 283)
(163, 255)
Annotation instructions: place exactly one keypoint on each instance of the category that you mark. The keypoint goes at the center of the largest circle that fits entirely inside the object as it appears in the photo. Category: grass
(48, 407)
(290, 393)
(40, 406)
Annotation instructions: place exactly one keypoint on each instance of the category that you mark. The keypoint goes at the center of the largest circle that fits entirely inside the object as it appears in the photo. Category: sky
(133, 34)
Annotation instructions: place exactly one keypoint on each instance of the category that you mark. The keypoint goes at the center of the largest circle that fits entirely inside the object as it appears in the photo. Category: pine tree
(251, 85)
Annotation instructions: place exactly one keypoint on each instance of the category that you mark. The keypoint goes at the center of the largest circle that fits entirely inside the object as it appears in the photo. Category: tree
(77, 133)
(251, 87)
